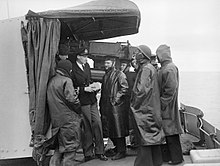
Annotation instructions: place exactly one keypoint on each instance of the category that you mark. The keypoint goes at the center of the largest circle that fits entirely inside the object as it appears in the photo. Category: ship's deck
(129, 160)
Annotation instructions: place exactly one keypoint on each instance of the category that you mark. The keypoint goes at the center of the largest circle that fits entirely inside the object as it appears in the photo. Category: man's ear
(77, 57)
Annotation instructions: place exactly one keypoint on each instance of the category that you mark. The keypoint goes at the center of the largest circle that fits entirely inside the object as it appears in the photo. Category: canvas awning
(98, 19)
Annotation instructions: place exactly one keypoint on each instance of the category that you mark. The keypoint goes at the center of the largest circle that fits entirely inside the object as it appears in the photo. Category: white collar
(80, 65)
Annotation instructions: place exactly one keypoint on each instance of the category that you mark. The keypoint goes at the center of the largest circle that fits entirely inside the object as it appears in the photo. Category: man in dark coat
(169, 85)
(145, 105)
(113, 107)
(63, 102)
(131, 76)
(92, 136)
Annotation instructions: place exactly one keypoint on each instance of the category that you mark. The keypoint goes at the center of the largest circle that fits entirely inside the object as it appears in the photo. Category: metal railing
(194, 124)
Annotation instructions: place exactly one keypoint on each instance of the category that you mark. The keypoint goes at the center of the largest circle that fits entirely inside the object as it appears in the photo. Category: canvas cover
(43, 39)
(98, 19)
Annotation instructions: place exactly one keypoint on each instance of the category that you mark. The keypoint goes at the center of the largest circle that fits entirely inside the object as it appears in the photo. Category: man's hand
(88, 89)
(95, 86)
(77, 91)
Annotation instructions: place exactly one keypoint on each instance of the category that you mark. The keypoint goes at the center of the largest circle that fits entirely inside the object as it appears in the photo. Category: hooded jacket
(169, 85)
(65, 121)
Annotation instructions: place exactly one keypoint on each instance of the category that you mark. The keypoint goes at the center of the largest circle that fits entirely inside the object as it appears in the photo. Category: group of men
(145, 100)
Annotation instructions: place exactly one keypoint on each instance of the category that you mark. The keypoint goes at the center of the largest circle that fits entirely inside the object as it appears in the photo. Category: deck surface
(129, 160)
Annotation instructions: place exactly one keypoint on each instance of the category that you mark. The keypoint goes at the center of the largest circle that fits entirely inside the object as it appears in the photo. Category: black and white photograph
(109, 82)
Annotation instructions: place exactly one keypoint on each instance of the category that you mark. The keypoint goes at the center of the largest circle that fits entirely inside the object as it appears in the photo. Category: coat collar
(166, 62)
(63, 73)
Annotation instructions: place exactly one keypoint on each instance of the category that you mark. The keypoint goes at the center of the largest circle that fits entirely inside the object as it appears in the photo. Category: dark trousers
(120, 144)
(149, 156)
(64, 159)
(92, 137)
(174, 148)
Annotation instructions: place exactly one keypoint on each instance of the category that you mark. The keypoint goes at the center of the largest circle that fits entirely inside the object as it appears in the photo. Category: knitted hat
(63, 49)
(124, 60)
(65, 65)
(153, 55)
(145, 50)
(110, 58)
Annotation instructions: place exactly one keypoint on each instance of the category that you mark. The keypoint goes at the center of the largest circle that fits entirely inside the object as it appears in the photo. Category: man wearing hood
(64, 107)
(113, 110)
(145, 105)
(169, 85)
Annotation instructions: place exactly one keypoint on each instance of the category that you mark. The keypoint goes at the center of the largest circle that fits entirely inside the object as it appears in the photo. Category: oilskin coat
(61, 99)
(169, 84)
(145, 106)
(114, 114)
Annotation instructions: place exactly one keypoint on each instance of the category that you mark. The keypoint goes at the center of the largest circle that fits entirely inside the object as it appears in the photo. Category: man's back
(62, 98)
(58, 91)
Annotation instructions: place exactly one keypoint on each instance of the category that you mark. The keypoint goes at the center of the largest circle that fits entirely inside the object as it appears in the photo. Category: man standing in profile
(145, 106)
(113, 107)
(169, 85)
(64, 107)
(131, 76)
(92, 141)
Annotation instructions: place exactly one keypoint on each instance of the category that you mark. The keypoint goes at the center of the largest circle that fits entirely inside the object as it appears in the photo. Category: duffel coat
(169, 84)
(145, 106)
(61, 99)
(114, 114)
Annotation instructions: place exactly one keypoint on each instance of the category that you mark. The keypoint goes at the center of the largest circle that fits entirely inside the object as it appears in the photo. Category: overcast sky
(190, 27)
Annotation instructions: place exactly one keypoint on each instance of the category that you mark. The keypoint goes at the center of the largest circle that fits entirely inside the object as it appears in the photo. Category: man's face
(63, 57)
(134, 64)
(82, 59)
(139, 57)
(108, 64)
(123, 66)
(154, 60)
